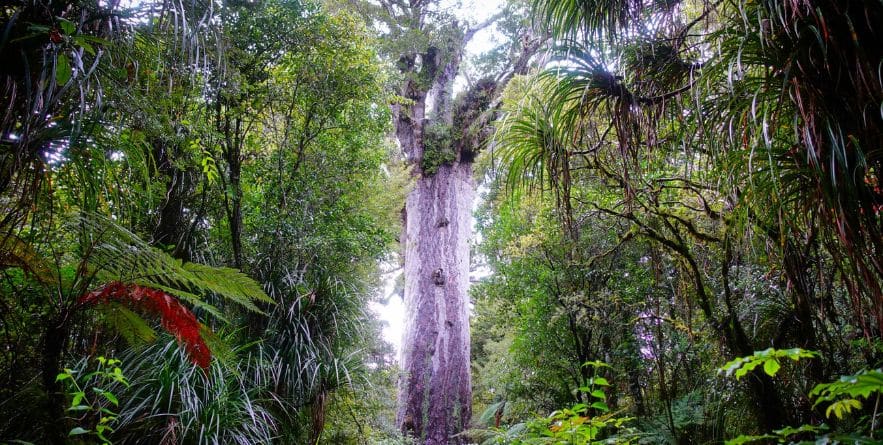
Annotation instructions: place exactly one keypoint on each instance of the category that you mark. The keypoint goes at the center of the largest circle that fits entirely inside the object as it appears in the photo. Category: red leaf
(55, 36)
(174, 316)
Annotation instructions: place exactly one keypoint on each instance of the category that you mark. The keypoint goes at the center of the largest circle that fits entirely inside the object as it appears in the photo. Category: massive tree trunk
(435, 391)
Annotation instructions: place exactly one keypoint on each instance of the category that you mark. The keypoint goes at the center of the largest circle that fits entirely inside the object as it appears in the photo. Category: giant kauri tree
(439, 136)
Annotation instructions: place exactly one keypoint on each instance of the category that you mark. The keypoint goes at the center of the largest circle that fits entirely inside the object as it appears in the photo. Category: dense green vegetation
(688, 183)
(150, 154)
(682, 218)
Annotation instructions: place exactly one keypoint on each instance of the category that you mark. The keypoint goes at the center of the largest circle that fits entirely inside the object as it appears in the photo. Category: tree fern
(140, 277)
(15, 252)
(115, 254)
(174, 316)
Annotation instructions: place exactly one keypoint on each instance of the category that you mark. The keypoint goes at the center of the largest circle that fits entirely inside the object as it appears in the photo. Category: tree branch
(472, 30)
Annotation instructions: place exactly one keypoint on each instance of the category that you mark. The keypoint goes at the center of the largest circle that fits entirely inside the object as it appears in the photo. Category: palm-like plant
(170, 401)
(536, 149)
(314, 339)
(757, 89)
(56, 53)
(532, 145)
(804, 97)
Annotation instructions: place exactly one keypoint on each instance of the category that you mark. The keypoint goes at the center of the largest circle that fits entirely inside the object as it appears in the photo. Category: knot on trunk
(438, 277)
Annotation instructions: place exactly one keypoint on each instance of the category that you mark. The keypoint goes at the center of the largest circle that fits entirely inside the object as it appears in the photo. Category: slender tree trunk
(435, 392)
(235, 210)
(171, 227)
(231, 127)
(54, 341)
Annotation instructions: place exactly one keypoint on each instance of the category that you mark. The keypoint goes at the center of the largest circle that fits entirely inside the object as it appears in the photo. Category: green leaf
(601, 381)
(111, 398)
(77, 431)
(790, 431)
(741, 366)
(81, 42)
(596, 364)
(842, 407)
(598, 394)
(62, 69)
(771, 367)
(730, 367)
(67, 26)
(768, 352)
(748, 439)
(601, 406)
(78, 397)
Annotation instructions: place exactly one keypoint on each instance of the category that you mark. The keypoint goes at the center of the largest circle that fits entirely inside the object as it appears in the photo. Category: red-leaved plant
(174, 316)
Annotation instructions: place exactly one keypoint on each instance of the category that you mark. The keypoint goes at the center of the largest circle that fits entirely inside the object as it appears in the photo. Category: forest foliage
(682, 218)
(203, 200)
(689, 192)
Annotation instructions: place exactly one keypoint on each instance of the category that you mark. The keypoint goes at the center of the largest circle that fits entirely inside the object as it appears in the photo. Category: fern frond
(141, 277)
(220, 348)
(229, 283)
(130, 325)
(117, 254)
(174, 316)
(15, 252)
